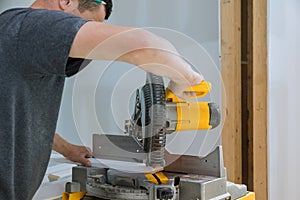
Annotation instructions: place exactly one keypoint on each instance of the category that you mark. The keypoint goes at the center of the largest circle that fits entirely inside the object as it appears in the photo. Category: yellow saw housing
(193, 115)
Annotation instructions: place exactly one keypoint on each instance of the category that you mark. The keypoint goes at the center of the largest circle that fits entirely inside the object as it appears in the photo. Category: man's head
(92, 5)
(97, 10)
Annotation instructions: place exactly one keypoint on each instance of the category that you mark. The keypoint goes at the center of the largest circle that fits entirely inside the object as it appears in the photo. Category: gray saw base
(190, 178)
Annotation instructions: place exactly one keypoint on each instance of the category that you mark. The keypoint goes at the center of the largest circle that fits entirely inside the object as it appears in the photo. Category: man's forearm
(60, 145)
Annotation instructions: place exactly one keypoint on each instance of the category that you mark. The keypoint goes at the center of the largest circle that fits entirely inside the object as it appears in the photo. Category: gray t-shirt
(34, 52)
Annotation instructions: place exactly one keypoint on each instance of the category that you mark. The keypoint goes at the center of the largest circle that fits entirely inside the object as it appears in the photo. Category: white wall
(6, 4)
(284, 99)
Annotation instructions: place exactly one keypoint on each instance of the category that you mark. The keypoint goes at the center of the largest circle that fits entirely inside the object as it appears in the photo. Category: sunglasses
(100, 1)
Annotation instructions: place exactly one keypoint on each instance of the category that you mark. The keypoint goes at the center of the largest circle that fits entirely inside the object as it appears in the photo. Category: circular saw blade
(150, 115)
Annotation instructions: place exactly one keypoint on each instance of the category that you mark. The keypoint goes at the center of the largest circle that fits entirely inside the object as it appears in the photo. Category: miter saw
(148, 171)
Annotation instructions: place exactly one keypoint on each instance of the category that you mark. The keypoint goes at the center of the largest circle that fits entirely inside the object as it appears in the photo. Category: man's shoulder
(39, 14)
(28, 21)
(20, 11)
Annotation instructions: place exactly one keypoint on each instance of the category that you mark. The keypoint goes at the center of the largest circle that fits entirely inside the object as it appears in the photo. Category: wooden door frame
(244, 72)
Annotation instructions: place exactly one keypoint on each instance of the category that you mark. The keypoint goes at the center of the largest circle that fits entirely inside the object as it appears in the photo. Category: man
(92, 11)
(37, 47)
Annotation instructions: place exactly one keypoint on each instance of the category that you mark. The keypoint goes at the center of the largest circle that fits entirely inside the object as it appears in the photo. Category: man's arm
(154, 54)
(72, 152)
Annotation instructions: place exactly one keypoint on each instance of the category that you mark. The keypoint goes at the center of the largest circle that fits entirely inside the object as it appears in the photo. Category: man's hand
(72, 152)
(79, 154)
(179, 88)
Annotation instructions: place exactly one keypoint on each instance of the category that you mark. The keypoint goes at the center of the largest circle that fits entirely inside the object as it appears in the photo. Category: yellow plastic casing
(192, 115)
(200, 90)
(73, 195)
(249, 196)
(157, 178)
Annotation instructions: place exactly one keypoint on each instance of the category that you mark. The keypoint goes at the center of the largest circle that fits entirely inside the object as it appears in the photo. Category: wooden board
(247, 93)
(128, 167)
(260, 81)
(245, 128)
(231, 73)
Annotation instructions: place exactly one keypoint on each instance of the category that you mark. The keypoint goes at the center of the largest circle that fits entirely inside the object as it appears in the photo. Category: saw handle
(201, 90)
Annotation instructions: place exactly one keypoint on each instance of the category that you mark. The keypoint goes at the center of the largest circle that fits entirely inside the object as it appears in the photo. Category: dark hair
(92, 5)
(108, 8)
